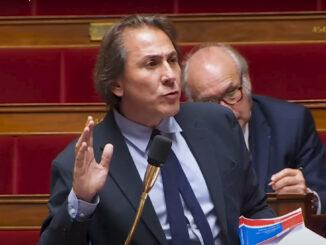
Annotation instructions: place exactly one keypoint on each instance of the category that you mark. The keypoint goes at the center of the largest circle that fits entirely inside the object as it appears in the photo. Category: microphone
(158, 153)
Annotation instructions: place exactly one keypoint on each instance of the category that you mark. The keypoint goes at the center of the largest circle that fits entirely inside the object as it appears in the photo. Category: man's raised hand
(89, 176)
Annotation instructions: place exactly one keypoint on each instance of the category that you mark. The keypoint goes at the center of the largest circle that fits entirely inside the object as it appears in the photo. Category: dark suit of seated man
(95, 190)
(286, 151)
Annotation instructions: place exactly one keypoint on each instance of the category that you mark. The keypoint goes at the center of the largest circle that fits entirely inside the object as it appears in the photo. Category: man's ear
(117, 88)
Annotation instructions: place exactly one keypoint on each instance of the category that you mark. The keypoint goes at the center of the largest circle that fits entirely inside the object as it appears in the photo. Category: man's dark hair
(112, 55)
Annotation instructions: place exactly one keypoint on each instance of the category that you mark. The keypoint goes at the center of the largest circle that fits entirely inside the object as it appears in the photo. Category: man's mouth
(172, 95)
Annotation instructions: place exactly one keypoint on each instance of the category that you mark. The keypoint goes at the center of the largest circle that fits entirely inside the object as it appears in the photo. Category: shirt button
(72, 211)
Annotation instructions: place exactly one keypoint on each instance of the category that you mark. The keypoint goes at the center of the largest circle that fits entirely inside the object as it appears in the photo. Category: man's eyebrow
(160, 55)
(173, 53)
(231, 88)
(152, 56)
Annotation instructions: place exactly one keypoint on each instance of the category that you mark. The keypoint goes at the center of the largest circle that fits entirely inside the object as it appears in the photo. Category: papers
(299, 235)
(286, 229)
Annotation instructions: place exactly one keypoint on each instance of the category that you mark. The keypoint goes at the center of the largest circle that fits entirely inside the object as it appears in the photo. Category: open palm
(89, 176)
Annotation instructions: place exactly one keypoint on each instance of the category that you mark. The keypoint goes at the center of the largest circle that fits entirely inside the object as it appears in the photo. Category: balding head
(218, 54)
(218, 73)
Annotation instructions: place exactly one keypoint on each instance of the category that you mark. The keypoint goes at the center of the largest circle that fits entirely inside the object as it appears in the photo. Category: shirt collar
(138, 134)
(245, 131)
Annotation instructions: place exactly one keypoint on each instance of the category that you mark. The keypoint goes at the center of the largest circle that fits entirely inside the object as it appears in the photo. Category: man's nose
(169, 74)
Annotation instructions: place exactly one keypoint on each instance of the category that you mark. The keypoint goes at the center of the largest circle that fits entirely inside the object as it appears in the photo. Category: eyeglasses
(229, 98)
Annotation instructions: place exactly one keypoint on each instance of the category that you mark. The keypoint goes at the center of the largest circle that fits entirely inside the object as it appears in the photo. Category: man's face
(150, 86)
(213, 76)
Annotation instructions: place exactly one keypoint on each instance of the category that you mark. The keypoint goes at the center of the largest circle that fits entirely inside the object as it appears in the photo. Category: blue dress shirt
(137, 138)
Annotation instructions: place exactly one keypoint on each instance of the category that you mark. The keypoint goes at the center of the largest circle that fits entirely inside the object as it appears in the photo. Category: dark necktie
(175, 183)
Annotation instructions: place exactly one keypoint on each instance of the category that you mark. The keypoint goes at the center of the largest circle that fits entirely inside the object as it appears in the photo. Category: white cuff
(318, 200)
(79, 209)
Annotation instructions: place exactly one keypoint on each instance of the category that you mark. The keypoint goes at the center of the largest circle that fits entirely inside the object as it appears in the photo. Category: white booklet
(286, 229)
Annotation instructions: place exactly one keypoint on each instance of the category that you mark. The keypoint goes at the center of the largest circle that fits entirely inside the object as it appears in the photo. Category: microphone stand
(149, 180)
(158, 152)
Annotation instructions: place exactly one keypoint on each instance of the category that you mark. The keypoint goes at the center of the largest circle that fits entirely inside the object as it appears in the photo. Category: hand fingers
(91, 126)
(90, 151)
(292, 179)
(294, 189)
(81, 139)
(89, 157)
(89, 118)
(89, 139)
(80, 156)
(85, 134)
(283, 173)
(287, 181)
(107, 156)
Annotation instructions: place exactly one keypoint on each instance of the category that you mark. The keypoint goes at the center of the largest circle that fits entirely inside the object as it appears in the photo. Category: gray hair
(112, 55)
(238, 59)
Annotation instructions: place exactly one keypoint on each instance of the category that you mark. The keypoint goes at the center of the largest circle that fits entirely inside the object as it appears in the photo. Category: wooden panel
(27, 212)
(47, 31)
(318, 109)
(22, 212)
(43, 31)
(47, 118)
(194, 28)
(252, 28)
(282, 204)
(70, 118)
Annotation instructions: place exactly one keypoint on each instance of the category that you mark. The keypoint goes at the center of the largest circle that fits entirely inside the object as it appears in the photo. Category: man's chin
(172, 110)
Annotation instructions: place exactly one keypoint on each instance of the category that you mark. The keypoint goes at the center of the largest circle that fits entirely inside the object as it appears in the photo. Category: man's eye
(151, 63)
(230, 94)
(173, 60)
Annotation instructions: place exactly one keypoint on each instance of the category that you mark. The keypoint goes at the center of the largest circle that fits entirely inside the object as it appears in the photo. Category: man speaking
(206, 183)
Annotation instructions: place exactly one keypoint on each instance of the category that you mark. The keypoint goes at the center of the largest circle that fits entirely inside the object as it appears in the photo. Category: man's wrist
(315, 202)
(79, 209)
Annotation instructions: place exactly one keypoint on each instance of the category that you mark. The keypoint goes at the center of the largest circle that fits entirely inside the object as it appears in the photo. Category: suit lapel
(202, 149)
(259, 143)
(124, 173)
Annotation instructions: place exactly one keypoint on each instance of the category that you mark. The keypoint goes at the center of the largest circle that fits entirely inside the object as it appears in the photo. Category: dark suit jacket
(215, 140)
(283, 135)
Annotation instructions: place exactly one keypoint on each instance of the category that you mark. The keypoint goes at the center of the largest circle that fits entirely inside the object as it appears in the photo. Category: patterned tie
(175, 183)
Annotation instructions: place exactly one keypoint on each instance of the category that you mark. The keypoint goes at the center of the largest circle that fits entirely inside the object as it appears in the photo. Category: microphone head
(159, 150)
